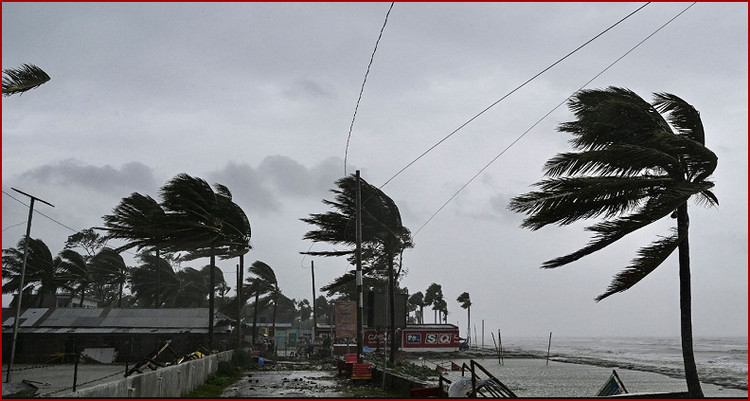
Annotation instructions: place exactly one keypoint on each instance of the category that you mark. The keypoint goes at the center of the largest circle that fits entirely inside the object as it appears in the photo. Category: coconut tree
(152, 274)
(465, 300)
(417, 299)
(108, 269)
(637, 163)
(74, 271)
(192, 217)
(206, 223)
(19, 80)
(41, 269)
(261, 282)
(432, 296)
(383, 234)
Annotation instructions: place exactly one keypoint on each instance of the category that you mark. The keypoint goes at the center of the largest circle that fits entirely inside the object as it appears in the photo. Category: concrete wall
(171, 381)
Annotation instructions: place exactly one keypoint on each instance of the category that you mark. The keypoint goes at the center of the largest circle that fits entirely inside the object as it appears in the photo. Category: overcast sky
(260, 96)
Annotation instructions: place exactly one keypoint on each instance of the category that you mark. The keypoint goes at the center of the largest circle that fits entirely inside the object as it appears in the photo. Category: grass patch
(227, 374)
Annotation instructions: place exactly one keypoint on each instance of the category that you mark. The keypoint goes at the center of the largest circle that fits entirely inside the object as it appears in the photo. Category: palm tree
(108, 269)
(192, 217)
(41, 269)
(383, 232)
(637, 163)
(465, 302)
(22, 79)
(154, 273)
(417, 299)
(432, 296)
(262, 282)
(73, 269)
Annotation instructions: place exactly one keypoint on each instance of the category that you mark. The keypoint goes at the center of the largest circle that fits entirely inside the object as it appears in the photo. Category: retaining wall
(170, 381)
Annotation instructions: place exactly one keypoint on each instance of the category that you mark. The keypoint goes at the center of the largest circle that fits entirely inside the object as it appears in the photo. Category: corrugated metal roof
(111, 318)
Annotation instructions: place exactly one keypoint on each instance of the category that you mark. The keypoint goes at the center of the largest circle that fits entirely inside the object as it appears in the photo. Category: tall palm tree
(108, 270)
(465, 300)
(207, 223)
(262, 282)
(432, 296)
(73, 270)
(41, 269)
(154, 273)
(637, 163)
(383, 232)
(417, 299)
(22, 79)
(192, 217)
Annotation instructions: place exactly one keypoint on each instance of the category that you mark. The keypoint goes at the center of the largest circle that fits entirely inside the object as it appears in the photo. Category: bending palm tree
(382, 230)
(192, 218)
(465, 300)
(41, 270)
(20, 80)
(634, 167)
(73, 269)
(263, 281)
(108, 269)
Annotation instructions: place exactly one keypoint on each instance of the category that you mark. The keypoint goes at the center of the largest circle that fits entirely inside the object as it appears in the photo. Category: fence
(170, 381)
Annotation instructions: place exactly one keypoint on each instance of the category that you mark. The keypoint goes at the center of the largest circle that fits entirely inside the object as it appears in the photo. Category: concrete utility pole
(358, 254)
(315, 316)
(23, 277)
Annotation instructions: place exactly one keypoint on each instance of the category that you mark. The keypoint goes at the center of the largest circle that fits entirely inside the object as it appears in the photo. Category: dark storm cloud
(277, 179)
(133, 176)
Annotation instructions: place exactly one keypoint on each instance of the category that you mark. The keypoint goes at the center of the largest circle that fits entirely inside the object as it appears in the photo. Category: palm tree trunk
(211, 286)
(119, 298)
(158, 286)
(686, 329)
(255, 315)
(273, 325)
(83, 290)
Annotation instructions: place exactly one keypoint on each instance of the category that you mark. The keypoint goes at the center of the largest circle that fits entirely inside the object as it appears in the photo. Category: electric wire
(362, 89)
(548, 114)
(510, 93)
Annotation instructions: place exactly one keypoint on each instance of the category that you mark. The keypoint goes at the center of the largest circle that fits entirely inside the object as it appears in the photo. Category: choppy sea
(721, 360)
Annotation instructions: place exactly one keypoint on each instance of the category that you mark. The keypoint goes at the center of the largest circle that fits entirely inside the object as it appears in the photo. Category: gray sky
(259, 97)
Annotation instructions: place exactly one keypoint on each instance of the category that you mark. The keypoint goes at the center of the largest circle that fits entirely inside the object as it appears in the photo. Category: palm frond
(623, 160)
(660, 205)
(683, 116)
(565, 200)
(25, 78)
(649, 258)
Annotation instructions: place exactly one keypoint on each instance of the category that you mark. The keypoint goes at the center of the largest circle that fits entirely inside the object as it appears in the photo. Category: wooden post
(75, 366)
(500, 340)
(548, 346)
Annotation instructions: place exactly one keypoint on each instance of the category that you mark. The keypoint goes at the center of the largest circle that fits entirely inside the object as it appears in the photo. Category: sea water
(722, 361)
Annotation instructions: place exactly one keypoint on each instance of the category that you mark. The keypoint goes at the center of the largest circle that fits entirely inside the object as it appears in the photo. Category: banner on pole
(346, 319)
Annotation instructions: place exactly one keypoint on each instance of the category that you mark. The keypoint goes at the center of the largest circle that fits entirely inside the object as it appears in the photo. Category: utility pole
(23, 277)
(240, 274)
(315, 316)
(358, 254)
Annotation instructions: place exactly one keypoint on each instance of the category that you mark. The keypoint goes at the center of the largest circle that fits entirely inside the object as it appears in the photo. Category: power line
(362, 89)
(511, 92)
(14, 225)
(548, 114)
(36, 211)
